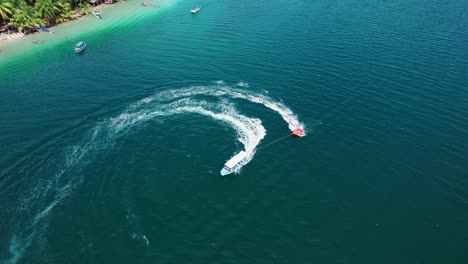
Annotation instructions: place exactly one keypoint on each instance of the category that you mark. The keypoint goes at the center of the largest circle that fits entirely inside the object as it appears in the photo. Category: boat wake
(223, 90)
(217, 102)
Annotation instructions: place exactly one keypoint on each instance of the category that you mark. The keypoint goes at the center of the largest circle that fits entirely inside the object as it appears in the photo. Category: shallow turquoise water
(113, 156)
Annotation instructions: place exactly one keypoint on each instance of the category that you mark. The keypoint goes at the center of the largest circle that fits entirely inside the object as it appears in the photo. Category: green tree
(18, 4)
(5, 9)
(25, 18)
(85, 8)
(64, 12)
(46, 10)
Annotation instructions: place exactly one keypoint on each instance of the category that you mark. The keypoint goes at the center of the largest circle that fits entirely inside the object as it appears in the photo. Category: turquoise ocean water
(113, 156)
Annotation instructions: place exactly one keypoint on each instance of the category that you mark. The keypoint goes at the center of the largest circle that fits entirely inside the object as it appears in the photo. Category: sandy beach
(115, 16)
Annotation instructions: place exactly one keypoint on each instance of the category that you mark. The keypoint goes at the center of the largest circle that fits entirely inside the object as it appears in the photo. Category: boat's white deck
(236, 159)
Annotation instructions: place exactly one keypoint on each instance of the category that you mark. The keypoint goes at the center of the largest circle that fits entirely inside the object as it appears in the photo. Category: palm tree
(85, 8)
(5, 9)
(64, 11)
(18, 4)
(25, 18)
(46, 9)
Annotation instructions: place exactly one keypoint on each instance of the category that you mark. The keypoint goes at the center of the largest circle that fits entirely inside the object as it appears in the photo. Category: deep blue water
(114, 156)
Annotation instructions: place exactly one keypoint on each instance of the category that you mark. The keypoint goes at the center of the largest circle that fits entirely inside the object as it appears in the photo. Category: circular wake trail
(250, 131)
(222, 90)
(47, 191)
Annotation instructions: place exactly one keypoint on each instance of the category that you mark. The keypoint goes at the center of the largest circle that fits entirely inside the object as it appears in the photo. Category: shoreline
(115, 16)
(76, 16)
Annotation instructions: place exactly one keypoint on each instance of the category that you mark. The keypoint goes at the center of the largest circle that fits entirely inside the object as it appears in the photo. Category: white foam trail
(250, 131)
(146, 239)
(51, 192)
(243, 84)
(48, 193)
(220, 91)
(17, 249)
(285, 112)
(37, 204)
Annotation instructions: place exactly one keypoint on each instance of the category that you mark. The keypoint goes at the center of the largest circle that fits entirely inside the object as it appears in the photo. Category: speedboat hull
(97, 14)
(234, 164)
(225, 172)
(195, 10)
(80, 46)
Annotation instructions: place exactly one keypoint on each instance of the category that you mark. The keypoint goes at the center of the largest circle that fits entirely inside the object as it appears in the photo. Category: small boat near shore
(80, 46)
(44, 29)
(234, 164)
(147, 4)
(97, 14)
(195, 10)
(38, 42)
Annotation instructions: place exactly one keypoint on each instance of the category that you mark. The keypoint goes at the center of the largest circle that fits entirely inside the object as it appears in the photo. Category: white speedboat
(195, 10)
(80, 46)
(234, 164)
(97, 14)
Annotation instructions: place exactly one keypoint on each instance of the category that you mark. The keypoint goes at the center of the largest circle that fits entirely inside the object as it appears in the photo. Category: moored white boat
(234, 164)
(195, 10)
(80, 46)
(97, 14)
